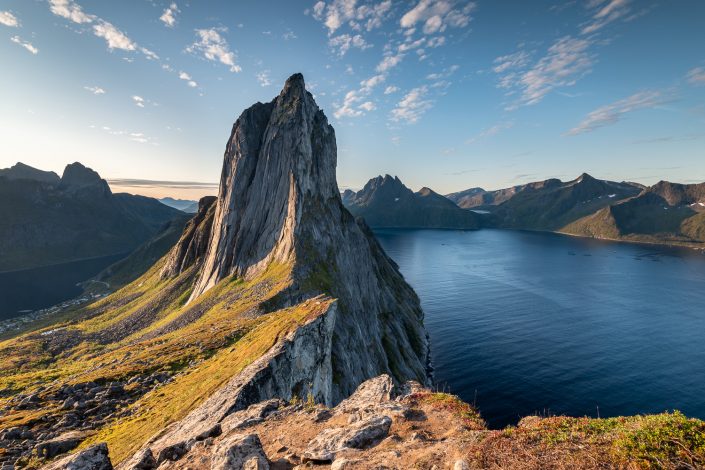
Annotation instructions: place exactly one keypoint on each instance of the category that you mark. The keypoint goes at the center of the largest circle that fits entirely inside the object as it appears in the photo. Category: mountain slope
(275, 290)
(386, 202)
(552, 204)
(47, 221)
(20, 171)
(663, 213)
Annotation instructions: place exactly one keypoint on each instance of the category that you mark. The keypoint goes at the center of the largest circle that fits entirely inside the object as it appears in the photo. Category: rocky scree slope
(385, 202)
(273, 291)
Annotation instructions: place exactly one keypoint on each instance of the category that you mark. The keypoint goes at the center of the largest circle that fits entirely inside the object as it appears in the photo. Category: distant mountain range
(664, 213)
(184, 205)
(586, 206)
(386, 202)
(46, 219)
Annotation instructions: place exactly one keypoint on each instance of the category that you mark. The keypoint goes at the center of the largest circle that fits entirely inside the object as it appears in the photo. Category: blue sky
(448, 94)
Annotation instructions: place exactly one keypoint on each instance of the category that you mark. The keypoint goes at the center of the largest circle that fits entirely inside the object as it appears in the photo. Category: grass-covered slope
(162, 356)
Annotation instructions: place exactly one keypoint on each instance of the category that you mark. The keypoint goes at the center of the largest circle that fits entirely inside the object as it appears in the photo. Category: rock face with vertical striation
(279, 203)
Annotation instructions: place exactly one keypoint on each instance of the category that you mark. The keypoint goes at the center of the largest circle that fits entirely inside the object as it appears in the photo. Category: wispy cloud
(263, 78)
(187, 78)
(696, 76)
(25, 44)
(70, 10)
(491, 131)
(437, 15)
(389, 62)
(606, 12)
(612, 113)
(139, 183)
(115, 38)
(367, 16)
(289, 35)
(8, 19)
(414, 104)
(96, 90)
(391, 89)
(355, 103)
(214, 47)
(169, 15)
(112, 35)
(138, 100)
(138, 137)
(341, 44)
(565, 62)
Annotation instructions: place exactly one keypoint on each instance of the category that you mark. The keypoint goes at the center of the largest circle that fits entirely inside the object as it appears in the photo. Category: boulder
(358, 435)
(64, 443)
(239, 451)
(94, 458)
(143, 460)
(250, 416)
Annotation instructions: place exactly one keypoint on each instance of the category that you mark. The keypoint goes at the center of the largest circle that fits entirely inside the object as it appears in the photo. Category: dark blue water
(37, 288)
(525, 323)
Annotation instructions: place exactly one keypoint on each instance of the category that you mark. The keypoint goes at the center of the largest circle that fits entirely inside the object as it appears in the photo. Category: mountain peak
(77, 177)
(20, 171)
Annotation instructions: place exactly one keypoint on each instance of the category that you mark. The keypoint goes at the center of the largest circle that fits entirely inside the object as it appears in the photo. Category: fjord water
(42, 287)
(537, 323)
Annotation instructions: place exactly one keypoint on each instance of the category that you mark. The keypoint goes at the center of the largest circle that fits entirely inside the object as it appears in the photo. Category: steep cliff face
(279, 203)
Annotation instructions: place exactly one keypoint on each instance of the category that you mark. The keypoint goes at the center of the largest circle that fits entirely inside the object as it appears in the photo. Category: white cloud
(391, 89)
(263, 78)
(347, 109)
(565, 62)
(372, 82)
(436, 41)
(214, 47)
(187, 78)
(696, 76)
(342, 44)
(612, 113)
(437, 15)
(337, 13)
(368, 106)
(389, 62)
(289, 35)
(511, 61)
(606, 12)
(412, 106)
(25, 44)
(138, 100)
(96, 90)
(115, 38)
(70, 10)
(169, 15)
(8, 19)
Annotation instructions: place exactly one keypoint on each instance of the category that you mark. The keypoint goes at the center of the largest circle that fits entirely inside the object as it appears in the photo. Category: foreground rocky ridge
(273, 291)
(383, 425)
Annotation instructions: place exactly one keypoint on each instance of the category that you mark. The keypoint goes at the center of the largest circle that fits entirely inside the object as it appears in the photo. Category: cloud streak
(113, 36)
(613, 113)
(25, 44)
